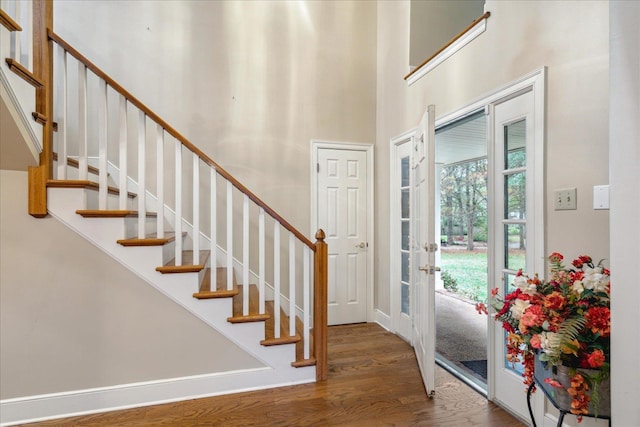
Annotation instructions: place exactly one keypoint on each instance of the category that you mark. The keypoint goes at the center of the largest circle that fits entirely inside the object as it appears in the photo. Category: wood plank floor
(373, 381)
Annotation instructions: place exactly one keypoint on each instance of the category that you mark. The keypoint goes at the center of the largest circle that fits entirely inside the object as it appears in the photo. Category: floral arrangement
(565, 321)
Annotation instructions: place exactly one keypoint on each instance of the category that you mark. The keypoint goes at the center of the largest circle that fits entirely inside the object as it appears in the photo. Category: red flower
(481, 308)
(595, 359)
(554, 301)
(494, 292)
(507, 327)
(556, 257)
(553, 383)
(599, 320)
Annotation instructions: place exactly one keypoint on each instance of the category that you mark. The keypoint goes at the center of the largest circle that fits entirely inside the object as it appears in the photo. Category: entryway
(488, 221)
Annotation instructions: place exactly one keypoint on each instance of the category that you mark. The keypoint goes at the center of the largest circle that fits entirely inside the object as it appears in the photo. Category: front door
(518, 200)
(423, 249)
(342, 214)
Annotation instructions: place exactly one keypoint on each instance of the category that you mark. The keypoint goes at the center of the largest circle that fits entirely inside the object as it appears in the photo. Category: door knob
(361, 245)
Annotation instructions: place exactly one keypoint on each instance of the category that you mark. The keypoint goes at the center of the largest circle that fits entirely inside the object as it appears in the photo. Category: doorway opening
(462, 223)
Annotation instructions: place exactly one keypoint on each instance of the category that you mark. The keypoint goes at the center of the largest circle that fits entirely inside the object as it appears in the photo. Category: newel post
(320, 307)
(43, 69)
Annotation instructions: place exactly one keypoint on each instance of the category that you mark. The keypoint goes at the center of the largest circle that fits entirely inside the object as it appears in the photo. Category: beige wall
(571, 39)
(250, 83)
(72, 318)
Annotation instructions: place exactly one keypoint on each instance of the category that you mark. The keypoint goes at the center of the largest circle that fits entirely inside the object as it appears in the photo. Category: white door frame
(394, 230)
(352, 146)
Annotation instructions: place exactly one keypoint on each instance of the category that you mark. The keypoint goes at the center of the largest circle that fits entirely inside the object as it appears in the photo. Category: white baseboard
(383, 319)
(83, 402)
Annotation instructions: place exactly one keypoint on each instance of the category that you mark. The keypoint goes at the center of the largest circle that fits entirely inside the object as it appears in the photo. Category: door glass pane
(404, 171)
(404, 289)
(405, 226)
(514, 146)
(515, 244)
(405, 203)
(514, 188)
(404, 266)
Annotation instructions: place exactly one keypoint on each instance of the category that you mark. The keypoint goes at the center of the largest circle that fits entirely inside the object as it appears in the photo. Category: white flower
(521, 282)
(594, 279)
(577, 287)
(518, 307)
(549, 340)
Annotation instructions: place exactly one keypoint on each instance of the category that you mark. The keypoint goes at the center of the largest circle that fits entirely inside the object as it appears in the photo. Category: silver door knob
(361, 245)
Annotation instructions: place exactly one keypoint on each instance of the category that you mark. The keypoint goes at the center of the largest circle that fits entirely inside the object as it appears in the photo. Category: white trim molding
(448, 52)
(90, 401)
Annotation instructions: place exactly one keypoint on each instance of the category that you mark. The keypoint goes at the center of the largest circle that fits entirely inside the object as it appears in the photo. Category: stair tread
(8, 22)
(254, 312)
(74, 163)
(269, 330)
(150, 240)
(220, 290)
(82, 183)
(24, 73)
(106, 213)
(188, 265)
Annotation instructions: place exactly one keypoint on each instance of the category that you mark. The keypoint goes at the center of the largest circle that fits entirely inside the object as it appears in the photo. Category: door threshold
(454, 370)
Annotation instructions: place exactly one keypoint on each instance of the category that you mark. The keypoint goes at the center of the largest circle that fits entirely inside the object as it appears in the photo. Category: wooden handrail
(177, 135)
(449, 43)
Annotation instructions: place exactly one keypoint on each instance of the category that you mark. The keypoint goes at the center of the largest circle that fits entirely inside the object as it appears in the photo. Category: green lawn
(469, 269)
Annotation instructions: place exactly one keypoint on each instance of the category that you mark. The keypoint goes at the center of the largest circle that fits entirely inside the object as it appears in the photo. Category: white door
(518, 195)
(342, 214)
(423, 250)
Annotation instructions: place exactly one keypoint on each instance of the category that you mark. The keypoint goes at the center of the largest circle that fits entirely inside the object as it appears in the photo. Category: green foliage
(449, 282)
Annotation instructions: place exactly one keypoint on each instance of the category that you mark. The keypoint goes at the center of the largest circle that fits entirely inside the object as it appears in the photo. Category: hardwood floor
(373, 381)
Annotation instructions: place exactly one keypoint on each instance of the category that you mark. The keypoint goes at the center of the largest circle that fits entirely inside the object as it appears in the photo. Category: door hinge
(318, 167)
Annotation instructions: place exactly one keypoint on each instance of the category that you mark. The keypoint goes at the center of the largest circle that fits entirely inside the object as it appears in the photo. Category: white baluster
(83, 171)
(306, 291)
(276, 279)
(26, 46)
(142, 189)
(62, 120)
(292, 285)
(261, 261)
(16, 36)
(160, 181)
(230, 236)
(214, 235)
(102, 145)
(245, 255)
(122, 156)
(177, 226)
(196, 209)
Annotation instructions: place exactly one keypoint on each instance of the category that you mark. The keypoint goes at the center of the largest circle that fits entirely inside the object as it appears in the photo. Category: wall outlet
(565, 199)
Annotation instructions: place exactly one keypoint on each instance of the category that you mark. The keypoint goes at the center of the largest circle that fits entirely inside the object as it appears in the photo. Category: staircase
(152, 200)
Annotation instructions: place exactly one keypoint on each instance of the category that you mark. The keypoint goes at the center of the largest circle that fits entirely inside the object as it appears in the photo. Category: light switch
(565, 199)
(600, 197)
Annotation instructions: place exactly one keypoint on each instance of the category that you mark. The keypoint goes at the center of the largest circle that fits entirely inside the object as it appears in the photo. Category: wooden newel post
(43, 70)
(320, 307)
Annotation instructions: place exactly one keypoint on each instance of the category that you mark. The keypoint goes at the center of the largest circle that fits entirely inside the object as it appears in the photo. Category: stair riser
(113, 201)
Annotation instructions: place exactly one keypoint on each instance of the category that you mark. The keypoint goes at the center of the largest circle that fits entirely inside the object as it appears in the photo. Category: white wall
(250, 83)
(624, 134)
(72, 318)
(572, 40)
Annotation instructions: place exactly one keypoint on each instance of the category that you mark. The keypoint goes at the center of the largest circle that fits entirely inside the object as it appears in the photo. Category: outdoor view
(462, 151)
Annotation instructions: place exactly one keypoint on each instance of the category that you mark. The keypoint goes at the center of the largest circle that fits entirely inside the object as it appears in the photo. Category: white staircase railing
(98, 119)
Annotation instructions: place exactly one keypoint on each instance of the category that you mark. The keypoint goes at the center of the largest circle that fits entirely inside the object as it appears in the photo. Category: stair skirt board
(104, 399)
(143, 261)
